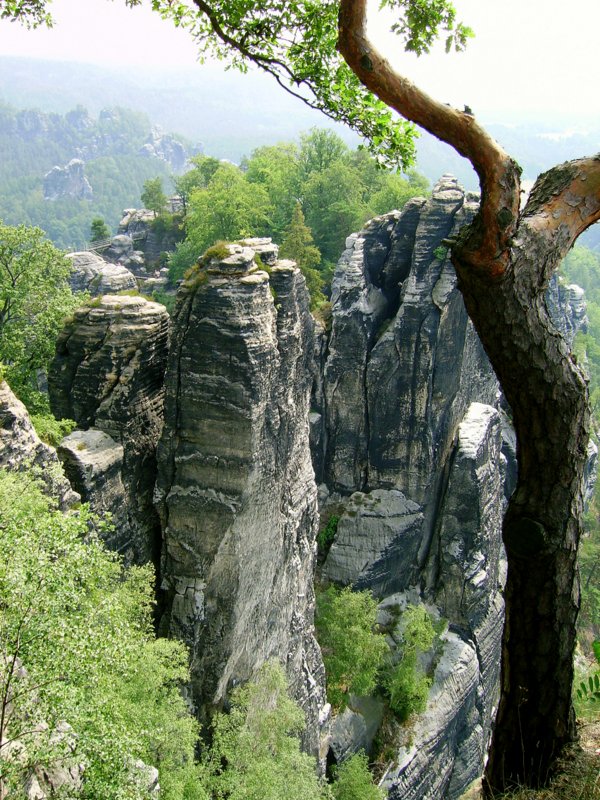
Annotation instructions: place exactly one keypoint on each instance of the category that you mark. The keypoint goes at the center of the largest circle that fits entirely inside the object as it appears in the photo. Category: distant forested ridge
(120, 151)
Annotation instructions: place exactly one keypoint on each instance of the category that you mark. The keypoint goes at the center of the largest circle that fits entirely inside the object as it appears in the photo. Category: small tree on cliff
(153, 196)
(299, 246)
(319, 51)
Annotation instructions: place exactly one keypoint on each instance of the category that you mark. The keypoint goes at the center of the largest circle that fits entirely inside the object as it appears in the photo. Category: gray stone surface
(566, 306)
(93, 463)
(408, 435)
(91, 273)
(377, 543)
(235, 489)
(21, 448)
(68, 181)
(108, 374)
(403, 361)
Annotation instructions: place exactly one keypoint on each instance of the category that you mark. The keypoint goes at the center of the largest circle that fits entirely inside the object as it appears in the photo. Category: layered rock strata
(235, 489)
(422, 493)
(108, 375)
(91, 273)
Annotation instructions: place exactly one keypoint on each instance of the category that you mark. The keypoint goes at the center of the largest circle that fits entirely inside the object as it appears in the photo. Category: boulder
(21, 448)
(91, 273)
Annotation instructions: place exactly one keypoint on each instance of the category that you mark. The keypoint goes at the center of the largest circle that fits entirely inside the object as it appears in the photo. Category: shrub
(326, 535)
(255, 752)
(406, 684)
(354, 781)
(51, 430)
(353, 650)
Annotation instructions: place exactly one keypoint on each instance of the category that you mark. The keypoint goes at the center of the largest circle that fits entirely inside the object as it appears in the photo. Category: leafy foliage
(153, 196)
(353, 650)
(353, 780)
(298, 245)
(51, 430)
(99, 230)
(255, 752)
(305, 197)
(326, 535)
(34, 300)
(406, 684)
(80, 626)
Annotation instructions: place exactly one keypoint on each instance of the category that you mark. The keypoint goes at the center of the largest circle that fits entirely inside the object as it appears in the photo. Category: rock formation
(67, 181)
(91, 273)
(165, 147)
(235, 488)
(419, 463)
(140, 225)
(21, 448)
(108, 375)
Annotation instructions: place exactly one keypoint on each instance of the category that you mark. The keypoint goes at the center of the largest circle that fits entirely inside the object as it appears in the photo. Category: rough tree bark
(504, 261)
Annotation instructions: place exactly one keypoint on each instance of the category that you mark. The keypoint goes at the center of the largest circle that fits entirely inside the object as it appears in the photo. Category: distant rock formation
(21, 448)
(108, 375)
(165, 147)
(91, 273)
(235, 490)
(68, 181)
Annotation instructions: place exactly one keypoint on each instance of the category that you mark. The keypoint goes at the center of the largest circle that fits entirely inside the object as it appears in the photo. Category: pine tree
(298, 245)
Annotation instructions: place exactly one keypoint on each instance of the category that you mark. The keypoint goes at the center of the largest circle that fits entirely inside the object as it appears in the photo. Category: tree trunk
(504, 261)
(548, 397)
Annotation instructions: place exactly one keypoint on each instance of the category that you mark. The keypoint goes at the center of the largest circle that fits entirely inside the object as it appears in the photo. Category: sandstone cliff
(414, 458)
(235, 489)
(107, 375)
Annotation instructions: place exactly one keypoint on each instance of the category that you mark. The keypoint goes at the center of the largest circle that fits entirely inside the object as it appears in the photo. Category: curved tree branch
(498, 173)
(564, 202)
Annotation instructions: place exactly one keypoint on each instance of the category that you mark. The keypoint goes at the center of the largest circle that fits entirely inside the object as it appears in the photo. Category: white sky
(528, 55)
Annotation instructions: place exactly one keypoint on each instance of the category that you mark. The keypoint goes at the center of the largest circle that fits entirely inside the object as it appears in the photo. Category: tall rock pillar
(236, 491)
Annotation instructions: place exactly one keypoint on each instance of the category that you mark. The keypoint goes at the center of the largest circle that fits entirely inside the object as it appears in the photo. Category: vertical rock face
(21, 448)
(108, 374)
(403, 359)
(421, 462)
(235, 489)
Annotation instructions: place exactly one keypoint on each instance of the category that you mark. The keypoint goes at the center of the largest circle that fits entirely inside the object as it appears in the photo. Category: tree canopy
(34, 300)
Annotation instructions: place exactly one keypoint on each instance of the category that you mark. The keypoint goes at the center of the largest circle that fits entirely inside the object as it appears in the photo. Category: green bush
(81, 627)
(326, 535)
(255, 752)
(353, 650)
(406, 685)
(354, 781)
(52, 430)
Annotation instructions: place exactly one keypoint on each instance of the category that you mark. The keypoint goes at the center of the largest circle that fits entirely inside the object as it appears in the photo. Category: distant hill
(97, 167)
(232, 114)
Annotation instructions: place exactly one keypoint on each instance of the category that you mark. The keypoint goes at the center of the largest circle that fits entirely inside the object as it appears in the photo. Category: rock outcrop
(68, 181)
(108, 375)
(165, 147)
(152, 240)
(91, 273)
(235, 489)
(21, 448)
(412, 451)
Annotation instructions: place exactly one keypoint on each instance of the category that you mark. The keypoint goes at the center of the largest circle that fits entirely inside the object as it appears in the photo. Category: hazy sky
(528, 55)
